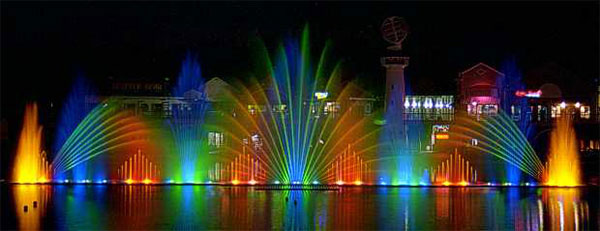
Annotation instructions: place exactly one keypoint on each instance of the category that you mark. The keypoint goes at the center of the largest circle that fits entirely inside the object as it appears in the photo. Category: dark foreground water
(100, 207)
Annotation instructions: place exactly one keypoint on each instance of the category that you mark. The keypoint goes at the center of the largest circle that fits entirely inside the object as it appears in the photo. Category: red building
(480, 90)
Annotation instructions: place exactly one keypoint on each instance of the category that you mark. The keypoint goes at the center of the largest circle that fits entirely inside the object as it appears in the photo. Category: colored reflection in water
(36, 198)
(143, 207)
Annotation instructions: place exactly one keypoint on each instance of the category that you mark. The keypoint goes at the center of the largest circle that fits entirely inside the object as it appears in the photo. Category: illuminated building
(480, 90)
(429, 107)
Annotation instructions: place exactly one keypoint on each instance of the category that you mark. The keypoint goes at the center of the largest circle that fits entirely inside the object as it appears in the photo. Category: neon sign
(529, 93)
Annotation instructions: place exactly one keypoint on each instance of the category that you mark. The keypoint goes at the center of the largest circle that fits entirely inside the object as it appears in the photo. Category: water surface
(100, 207)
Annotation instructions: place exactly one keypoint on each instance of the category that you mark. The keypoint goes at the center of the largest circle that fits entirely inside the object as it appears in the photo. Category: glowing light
(104, 181)
(252, 182)
(442, 136)
(277, 182)
(382, 183)
(339, 182)
(464, 183)
(446, 183)
(321, 95)
(529, 93)
(315, 182)
(358, 182)
(147, 181)
(577, 105)
(563, 105)
(129, 181)
(235, 182)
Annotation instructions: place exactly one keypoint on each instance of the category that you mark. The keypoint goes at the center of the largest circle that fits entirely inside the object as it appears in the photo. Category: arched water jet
(498, 135)
(104, 129)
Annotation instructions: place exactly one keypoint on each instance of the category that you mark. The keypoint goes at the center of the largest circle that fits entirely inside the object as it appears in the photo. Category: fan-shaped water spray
(186, 141)
(500, 137)
(292, 127)
(105, 128)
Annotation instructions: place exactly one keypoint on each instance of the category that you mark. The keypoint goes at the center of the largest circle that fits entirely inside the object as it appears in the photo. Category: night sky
(44, 45)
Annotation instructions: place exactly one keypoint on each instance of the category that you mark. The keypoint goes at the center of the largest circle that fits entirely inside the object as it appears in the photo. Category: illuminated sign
(441, 131)
(529, 93)
(442, 136)
(321, 95)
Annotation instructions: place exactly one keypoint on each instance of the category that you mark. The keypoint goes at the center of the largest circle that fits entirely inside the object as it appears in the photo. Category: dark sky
(43, 45)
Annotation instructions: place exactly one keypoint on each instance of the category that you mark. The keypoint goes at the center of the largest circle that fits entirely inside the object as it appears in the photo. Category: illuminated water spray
(76, 107)
(290, 126)
(104, 129)
(456, 170)
(562, 168)
(500, 137)
(30, 164)
(186, 126)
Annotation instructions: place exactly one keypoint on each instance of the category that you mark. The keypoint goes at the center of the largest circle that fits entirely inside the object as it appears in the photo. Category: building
(480, 90)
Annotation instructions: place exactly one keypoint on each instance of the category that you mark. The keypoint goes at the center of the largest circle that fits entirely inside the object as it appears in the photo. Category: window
(488, 109)
(144, 107)
(584, 112)
(515, 111)
(280, 108)
(256, 141)
(331, 107)
(368, 108)
(216, 139)
(253, 109)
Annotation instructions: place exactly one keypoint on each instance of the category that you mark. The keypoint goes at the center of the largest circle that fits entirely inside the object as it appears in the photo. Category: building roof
(217, 89)
(481, 65)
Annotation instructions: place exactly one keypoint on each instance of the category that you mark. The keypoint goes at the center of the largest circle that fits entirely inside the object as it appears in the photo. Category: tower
(394, 30)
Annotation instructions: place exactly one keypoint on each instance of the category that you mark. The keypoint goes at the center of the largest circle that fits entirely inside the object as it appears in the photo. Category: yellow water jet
(562, 168)
(31, 164)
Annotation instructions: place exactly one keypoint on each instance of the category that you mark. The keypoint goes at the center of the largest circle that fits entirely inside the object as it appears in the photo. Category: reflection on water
(31, 202)
(213, 207)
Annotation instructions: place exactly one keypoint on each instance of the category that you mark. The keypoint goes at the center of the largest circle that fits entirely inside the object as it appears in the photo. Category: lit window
(331, 107)
(280, 108)
(256, 141)
(216, 139)
(515, 112)
(584, 112)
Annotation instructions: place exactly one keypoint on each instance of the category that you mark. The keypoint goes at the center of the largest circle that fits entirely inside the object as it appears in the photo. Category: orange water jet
(31, 164)
(562, 168)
